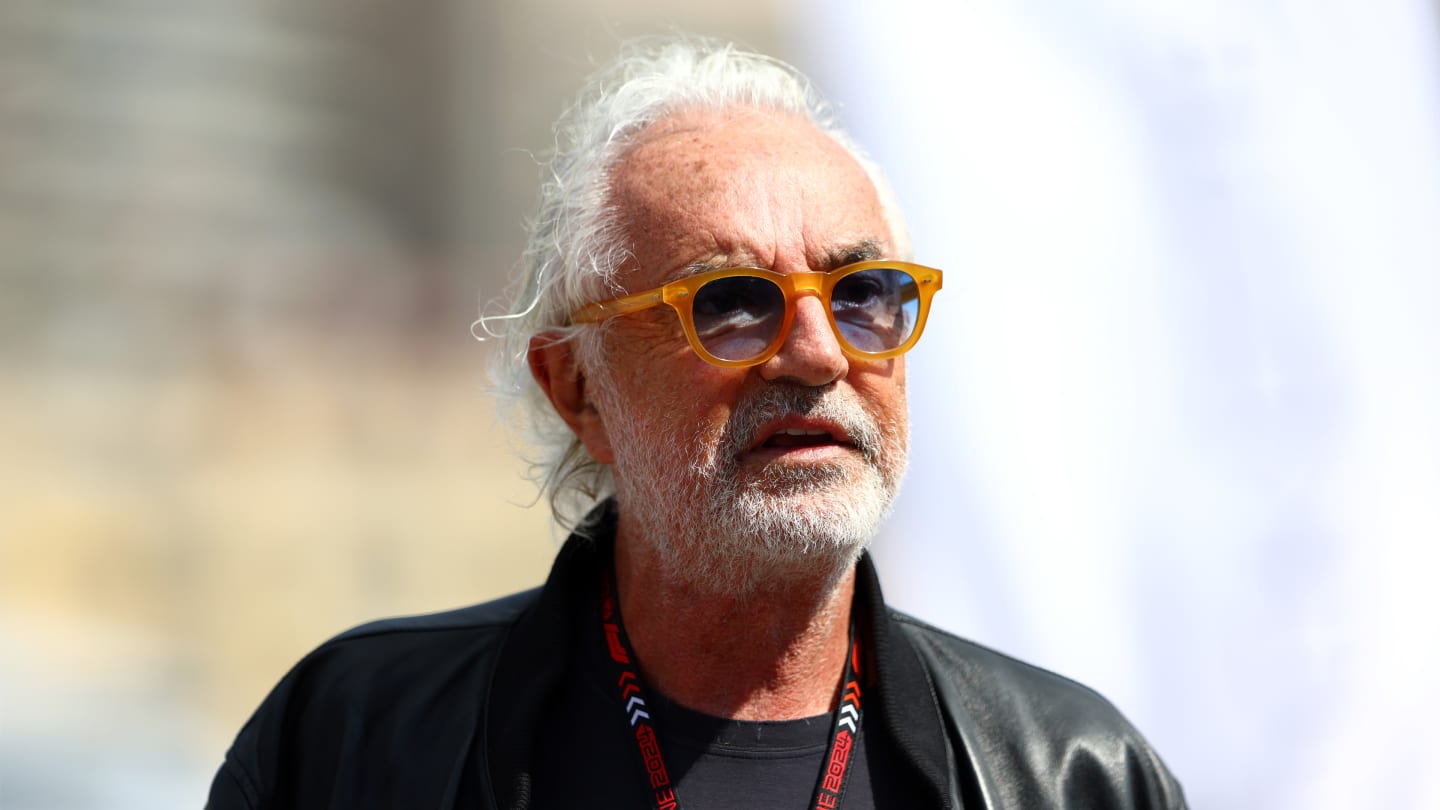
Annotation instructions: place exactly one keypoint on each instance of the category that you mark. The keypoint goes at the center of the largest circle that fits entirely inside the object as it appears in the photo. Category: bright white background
(1175, 415)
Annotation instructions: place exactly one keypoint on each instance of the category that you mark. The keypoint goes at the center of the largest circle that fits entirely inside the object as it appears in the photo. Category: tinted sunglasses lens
(737, 318)
(876, 310)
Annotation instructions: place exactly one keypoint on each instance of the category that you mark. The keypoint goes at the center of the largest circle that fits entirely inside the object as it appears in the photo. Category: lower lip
(805, 453)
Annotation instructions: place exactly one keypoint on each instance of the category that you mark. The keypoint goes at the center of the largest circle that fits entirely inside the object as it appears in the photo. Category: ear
(557, 370)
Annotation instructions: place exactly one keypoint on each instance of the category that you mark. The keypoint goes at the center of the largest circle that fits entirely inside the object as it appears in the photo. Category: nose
(811, 354)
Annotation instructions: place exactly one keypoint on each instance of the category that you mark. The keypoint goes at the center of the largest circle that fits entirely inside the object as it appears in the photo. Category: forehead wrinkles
(716, 185)
(690, 176)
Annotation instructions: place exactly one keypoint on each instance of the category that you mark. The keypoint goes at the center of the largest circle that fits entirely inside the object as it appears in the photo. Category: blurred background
(1174, 419)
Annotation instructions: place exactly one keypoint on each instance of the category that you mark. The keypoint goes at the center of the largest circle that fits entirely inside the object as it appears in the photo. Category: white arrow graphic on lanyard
(849, 716)
(636, 713)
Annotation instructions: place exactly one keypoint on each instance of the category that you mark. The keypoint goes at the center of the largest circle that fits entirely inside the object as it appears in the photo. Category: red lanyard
(829, 787)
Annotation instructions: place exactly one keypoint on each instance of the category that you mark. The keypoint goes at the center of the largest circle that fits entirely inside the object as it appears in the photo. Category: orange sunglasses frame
(680, 296)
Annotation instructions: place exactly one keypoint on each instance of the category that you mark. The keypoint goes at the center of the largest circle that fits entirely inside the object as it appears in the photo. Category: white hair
(576, 244)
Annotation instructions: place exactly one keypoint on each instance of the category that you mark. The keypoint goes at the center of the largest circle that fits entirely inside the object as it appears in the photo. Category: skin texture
(759, 635)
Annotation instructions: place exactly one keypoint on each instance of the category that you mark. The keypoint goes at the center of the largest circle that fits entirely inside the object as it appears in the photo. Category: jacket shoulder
(982, 670)
(418, 679)
(1039, 739)
(500, 613)
(406, 652)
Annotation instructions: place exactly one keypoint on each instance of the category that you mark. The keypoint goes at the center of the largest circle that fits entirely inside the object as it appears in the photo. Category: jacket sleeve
(245, 779)
(231, 791)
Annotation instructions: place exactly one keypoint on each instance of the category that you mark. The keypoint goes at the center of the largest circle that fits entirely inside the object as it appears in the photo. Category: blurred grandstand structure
(242, 245)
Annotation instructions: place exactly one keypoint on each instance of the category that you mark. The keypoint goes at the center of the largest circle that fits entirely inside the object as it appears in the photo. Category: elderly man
(718, 300)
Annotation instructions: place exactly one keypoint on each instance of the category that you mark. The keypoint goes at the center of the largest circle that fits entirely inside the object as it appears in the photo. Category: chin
(732, 530)
(761, 537)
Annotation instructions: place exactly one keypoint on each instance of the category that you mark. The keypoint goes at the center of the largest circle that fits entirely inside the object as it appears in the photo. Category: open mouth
(795, 435)
(800, 437)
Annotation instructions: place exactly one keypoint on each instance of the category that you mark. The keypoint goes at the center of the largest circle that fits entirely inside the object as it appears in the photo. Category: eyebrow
(863, 251)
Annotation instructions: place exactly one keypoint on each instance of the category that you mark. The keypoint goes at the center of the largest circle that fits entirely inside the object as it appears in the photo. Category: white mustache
(778, 401)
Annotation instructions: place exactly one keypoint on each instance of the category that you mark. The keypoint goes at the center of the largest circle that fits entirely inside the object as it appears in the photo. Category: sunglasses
(739, 316)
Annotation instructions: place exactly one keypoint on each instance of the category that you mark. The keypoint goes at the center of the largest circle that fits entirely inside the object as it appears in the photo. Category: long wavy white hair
(576, 246)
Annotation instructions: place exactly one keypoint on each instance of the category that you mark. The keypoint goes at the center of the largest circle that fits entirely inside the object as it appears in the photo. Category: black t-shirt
(586, 757)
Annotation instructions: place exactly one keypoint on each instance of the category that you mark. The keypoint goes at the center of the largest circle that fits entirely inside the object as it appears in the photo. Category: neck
(775, 653)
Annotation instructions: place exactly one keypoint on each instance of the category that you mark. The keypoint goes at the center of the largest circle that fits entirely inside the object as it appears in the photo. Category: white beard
(720, 534)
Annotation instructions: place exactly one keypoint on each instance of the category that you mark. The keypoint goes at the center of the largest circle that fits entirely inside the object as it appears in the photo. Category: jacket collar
(898, 698)
(900, 691)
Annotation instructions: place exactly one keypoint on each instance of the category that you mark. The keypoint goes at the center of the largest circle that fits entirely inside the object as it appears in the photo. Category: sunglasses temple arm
(605, 310)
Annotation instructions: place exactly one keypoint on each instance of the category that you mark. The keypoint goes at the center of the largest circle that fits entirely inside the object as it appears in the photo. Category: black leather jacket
(440, 711)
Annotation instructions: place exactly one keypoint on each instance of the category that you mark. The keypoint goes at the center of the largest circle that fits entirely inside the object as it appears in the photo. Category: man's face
(735, 476)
